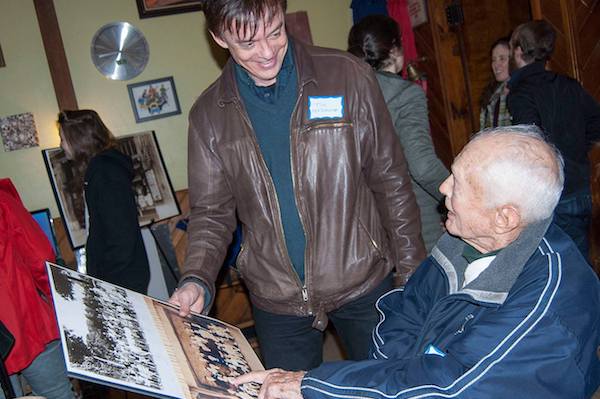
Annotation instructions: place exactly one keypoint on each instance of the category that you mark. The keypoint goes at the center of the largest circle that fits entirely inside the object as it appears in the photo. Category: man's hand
(190, 297)
(276, 383)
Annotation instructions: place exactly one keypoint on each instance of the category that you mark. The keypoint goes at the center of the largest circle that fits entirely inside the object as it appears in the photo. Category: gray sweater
(408, 107)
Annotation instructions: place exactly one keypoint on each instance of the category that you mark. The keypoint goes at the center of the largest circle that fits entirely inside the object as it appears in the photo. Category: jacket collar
(494, 283)
(227, 90)
(524, 72)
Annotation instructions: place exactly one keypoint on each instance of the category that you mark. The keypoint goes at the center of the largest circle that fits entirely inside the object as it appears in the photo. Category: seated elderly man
(505, 306)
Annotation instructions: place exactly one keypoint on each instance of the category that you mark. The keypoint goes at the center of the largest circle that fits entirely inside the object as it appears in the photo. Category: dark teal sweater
(270, 110)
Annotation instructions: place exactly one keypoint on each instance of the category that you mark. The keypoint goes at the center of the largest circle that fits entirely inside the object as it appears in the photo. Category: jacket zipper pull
(305, 299)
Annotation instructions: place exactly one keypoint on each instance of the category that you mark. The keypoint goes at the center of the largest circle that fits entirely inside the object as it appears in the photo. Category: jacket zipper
(283, 246)
(307, 260)
(307, 253)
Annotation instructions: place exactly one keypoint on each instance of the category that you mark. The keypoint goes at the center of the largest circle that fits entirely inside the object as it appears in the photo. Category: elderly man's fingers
(282, 385)
(254, 376)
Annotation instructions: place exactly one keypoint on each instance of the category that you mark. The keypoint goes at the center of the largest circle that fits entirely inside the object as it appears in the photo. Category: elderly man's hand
(276, 383)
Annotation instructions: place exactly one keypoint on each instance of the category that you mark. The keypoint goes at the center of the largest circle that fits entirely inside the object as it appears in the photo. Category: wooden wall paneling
(559, 13)
(519, 11)
(587, 17)
(437, 112)
(570, 40)
(451, 77)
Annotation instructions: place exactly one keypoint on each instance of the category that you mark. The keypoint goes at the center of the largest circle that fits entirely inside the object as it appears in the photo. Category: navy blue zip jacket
(527, 327)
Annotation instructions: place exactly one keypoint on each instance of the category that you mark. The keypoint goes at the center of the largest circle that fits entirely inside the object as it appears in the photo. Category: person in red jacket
(25, 302)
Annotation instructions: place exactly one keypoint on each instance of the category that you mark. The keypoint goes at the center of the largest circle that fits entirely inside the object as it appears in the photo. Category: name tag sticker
(323, 107)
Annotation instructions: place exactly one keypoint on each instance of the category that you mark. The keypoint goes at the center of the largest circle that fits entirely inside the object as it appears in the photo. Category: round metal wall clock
(119, 51)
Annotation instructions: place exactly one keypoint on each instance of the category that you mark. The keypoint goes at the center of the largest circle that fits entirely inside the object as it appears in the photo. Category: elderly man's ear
(508, 218)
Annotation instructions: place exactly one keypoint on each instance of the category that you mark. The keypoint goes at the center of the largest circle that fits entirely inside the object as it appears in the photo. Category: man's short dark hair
(246, 14)
(536, 39)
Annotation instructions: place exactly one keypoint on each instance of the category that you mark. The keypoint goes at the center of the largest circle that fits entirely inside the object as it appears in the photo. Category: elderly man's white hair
(517, 175)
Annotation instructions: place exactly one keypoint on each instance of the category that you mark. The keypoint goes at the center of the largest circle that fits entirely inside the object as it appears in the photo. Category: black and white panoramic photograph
(121, 338)
(109, 335)
(151, 185)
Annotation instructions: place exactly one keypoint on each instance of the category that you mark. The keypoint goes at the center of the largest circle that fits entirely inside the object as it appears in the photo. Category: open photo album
(117, 337)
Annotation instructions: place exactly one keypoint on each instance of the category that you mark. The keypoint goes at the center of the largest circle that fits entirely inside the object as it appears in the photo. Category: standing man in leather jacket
(296, 141)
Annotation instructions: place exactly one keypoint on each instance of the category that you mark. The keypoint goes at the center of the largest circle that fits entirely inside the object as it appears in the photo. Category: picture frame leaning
(153, 99)
(151, 185)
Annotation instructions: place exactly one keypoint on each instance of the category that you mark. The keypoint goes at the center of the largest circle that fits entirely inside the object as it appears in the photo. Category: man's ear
(219, 40)
(507, 219)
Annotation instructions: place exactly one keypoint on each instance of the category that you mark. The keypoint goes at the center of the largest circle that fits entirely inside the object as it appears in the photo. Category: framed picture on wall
(154, 99)
(156, 8)
(151, 185)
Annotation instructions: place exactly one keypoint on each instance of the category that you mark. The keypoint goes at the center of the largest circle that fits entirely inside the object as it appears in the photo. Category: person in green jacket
(376, 40)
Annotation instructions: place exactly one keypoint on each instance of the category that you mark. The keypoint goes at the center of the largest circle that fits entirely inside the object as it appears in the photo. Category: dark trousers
(573, 214)
(291, 343)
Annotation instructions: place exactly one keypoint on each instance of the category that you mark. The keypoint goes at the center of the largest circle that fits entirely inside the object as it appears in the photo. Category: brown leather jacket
(351, 184)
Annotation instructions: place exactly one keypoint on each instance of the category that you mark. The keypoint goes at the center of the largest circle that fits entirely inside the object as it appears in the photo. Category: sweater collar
(524, 72)
(494, 284)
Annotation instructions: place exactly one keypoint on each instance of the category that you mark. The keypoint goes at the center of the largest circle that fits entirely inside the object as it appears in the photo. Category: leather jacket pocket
(376, 246)
(331, 126)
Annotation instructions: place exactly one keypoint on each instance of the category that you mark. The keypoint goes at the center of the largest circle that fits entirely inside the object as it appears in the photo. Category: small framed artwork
(156, 8)
(151, 185)
(18, 132)
(154, 99)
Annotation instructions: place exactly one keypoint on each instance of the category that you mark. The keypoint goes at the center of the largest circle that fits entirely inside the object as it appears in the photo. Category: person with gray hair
(567, 114)
(505, 305)
(516, 175)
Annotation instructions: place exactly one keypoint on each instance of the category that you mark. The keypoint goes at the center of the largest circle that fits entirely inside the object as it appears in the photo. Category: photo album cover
(117, 337)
